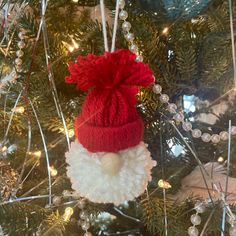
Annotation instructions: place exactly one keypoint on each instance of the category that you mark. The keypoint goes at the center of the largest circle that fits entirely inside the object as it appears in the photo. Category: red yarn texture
(109, 121)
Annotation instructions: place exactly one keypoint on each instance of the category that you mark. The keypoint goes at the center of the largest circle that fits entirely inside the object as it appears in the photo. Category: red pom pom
(81, 72)
(110, 71)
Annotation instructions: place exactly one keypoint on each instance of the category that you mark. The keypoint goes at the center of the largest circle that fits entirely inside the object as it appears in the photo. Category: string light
(36, 153)
(69, 47)
(72, 47)
(76, 45)
(19, 110)
(75, 1)
(220, 159)
(141, 93)
(165, 30)
(71, 133)
(68, 213)
(53, 171)
(4, 148)
(164, 184)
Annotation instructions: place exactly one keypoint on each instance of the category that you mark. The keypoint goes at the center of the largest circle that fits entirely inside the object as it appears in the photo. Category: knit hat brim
(108, 139)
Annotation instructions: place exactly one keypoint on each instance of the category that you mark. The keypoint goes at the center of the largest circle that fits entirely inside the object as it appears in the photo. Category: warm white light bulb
(75, 1)
(165, 30)
(164, 184)
(37, 153)
(53, 171)
(19, 109)
(68, 213)
(4, 148)
(71, 133)
(71, 48)
(220, 159)
(76, 45)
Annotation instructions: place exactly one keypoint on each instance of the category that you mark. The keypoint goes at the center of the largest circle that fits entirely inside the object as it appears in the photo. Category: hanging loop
(104, 30)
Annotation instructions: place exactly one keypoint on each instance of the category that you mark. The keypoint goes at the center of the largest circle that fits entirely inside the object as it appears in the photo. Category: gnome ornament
(108, 162)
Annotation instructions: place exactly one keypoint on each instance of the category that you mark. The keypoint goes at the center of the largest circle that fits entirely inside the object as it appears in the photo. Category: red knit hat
(109, 121)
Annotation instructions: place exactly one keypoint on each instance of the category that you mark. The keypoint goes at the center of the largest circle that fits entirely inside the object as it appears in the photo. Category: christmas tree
(188, 114)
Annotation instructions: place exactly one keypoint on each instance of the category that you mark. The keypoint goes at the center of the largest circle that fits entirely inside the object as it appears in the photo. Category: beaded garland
(20, 53)
(164, 98)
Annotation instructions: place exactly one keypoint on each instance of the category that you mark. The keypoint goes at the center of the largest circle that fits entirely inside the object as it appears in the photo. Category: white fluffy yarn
(88, 179)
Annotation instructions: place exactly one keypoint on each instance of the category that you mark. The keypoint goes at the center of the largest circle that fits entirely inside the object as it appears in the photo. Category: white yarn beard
(88, 179)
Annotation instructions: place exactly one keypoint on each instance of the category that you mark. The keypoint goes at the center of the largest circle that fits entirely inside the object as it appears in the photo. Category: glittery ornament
(172, 9)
